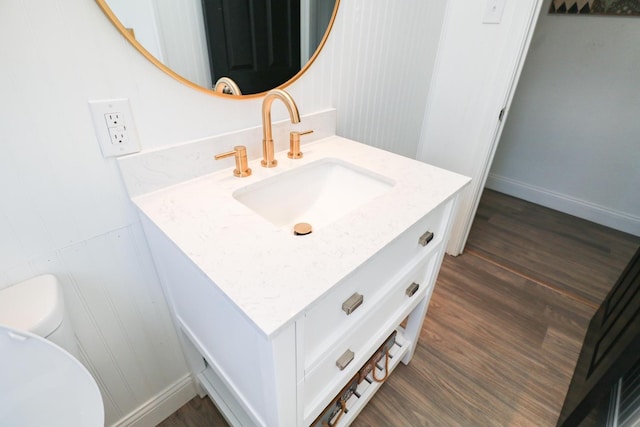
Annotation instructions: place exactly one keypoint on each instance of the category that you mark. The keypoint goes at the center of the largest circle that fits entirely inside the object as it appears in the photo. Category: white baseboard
(561, 202)
(159, 407)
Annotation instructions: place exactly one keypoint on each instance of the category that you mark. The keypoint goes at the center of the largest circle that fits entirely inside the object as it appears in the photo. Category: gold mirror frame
(136, 44)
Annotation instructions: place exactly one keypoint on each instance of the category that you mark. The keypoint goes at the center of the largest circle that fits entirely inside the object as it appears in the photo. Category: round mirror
(247, 47)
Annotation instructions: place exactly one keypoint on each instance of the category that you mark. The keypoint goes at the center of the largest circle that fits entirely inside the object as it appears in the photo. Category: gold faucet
(267, 139)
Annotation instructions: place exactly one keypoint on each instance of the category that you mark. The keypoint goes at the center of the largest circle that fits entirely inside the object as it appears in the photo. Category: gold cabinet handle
(344, 360)
(425, 238)
(242, 165)
(294, 144)
(352, 303)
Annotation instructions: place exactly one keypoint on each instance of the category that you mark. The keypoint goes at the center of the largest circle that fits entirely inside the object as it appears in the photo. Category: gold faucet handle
(294, 144)
(242, 165)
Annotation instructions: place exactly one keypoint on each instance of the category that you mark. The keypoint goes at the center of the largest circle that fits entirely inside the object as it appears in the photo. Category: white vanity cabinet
(276, 325)
(287, 379)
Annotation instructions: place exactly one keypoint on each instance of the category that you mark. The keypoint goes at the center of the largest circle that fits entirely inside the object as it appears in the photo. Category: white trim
(159, 407)
(564, 203)
(452, 148)
(459, 235)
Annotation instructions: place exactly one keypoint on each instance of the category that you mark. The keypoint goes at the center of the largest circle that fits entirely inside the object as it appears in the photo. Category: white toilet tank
(37, 306)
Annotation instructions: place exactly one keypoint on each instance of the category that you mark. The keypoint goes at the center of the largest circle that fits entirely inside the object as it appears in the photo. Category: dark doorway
(254, 42)
(610, 350)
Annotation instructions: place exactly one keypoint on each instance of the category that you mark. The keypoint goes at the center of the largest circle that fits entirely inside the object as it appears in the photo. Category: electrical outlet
(114, 127)
(113, 119)
(119, 135)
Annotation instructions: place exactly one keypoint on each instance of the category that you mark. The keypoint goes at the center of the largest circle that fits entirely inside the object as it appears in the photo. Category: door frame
(488, 119)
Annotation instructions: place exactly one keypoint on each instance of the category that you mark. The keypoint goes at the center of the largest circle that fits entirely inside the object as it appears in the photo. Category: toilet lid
(43, 385)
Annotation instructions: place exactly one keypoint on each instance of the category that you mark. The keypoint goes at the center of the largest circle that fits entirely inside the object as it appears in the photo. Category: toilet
(41, 380)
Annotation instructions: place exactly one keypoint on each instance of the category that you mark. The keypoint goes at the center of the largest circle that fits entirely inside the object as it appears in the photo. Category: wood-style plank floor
(504, 327)
(569, 254)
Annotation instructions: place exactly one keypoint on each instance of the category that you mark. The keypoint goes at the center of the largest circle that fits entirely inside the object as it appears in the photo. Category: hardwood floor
(196, 413)
(504, 327)
(569, 254)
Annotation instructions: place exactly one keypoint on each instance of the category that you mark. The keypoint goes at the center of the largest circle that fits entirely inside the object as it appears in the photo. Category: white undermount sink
(317, 193)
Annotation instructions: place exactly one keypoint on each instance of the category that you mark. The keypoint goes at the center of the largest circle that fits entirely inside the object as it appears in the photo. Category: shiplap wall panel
(182, 36)
(63, 208)
(381, 97)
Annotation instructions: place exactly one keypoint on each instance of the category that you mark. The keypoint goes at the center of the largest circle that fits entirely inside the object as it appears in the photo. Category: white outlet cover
(99, 111)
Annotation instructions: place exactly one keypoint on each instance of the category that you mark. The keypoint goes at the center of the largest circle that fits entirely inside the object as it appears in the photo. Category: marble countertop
(270, 274)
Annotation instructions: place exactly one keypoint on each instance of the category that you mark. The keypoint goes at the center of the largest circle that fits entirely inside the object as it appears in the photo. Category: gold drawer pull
(412, 289)
(353, 302)
(344, 360)
(425, 238)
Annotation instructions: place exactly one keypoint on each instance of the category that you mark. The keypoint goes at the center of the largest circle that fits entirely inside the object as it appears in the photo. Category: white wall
(572, 140)
(140, 16)
(385, 55)
(64, 209)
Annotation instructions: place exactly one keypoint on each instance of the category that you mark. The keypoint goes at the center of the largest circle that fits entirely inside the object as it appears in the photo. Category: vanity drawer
(357, 294)
(325, 378)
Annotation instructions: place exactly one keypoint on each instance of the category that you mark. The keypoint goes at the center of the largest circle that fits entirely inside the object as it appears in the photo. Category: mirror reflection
(257, 44)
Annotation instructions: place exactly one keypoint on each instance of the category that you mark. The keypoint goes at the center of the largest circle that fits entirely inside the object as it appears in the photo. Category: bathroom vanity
(277, 325)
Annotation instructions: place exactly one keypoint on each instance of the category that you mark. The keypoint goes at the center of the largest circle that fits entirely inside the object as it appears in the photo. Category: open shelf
(368, 387)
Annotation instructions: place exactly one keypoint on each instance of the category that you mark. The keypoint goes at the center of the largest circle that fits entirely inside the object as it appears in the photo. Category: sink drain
(302, 229)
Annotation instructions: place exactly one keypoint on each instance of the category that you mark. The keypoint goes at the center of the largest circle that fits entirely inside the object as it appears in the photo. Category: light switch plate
(114, 127)
(493, 11)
